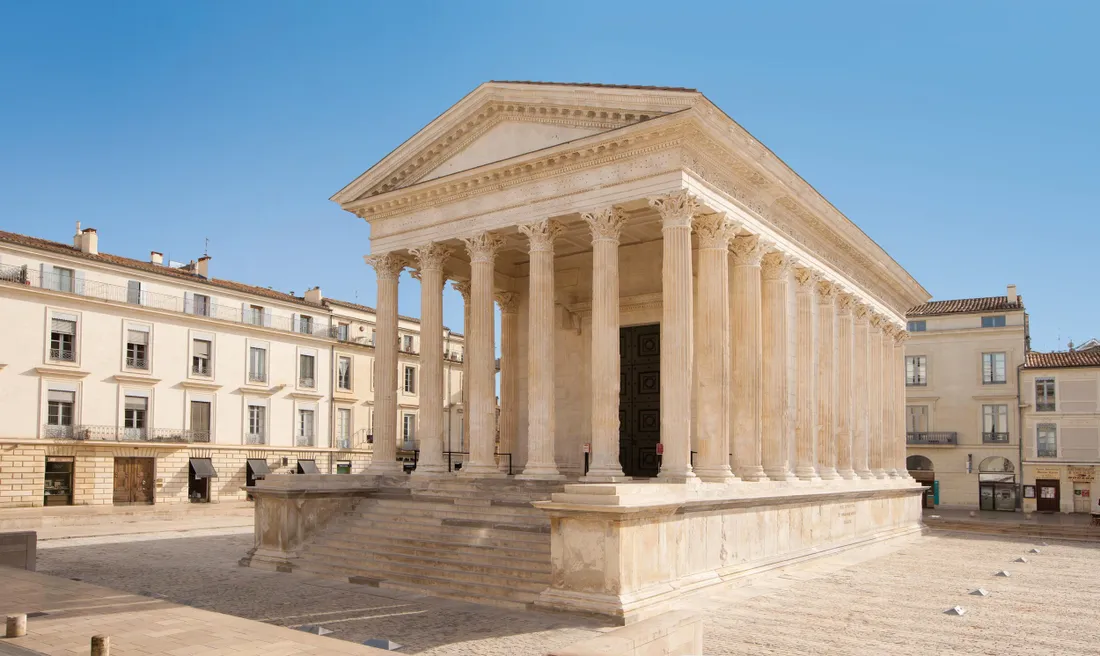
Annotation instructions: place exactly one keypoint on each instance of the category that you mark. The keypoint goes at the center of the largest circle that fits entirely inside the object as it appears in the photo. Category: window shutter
(78, 282)
(63, 326)
(62, 396)
(246, 315)
(137, 337)
(267, 318)
(136, 403)
(202, 348)
(294, 323)
(45, 277)
(188, 302)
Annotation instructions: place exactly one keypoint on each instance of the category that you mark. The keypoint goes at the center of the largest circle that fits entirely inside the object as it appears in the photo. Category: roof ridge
(596, 85)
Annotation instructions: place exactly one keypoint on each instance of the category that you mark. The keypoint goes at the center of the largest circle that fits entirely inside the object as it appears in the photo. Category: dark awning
(203, 468)
(259, 467)
(308, 467)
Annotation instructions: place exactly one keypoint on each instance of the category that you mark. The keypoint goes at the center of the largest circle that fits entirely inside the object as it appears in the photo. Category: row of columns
(846, 421)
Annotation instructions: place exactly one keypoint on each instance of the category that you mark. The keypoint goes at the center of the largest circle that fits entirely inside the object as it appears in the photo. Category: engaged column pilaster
(844, 365)
(806, 281)
(388, 268)
(826, 375)
(775, 429)
(430, 258)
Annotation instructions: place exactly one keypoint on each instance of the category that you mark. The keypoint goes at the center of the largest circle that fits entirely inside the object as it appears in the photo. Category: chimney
(89, 241)
(202, 267)
(1012, 298)
(314, 295)
(156, 258)
(76, 237)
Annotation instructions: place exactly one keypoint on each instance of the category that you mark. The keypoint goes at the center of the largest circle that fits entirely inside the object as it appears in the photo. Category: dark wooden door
(134, 480)
(1046, 493)
(639, 399)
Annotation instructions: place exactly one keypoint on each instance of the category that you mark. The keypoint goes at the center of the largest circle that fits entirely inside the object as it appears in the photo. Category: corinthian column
(874, 387)
(541, 418)
(482, 249)
(843, 405)
(888, 458)
(388, 268)
(676, 211)
(775, 269)
(826, 377)
(712, 361)
(430, 258)
(746, 252)
(806, 280)
(509, 353)
(899, 400)
(861, 401)
(463, 288)
(605, 226)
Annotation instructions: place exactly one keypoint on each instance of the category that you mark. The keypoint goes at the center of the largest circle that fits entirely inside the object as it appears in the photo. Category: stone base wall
(23, 468)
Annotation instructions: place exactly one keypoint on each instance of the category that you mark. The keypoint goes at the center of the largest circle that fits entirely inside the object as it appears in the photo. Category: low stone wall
(630, 551)
(677, 632)
(19, 549)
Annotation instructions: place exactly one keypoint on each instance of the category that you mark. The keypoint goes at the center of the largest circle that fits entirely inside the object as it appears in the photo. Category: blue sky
(961, 135)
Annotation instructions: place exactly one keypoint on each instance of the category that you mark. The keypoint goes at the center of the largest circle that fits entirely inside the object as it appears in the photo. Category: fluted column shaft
(861, 450)
(826, 386)
(889, 459)
(388, 268)
(509, 375)
(712, 357)
(805, 461)
(844, 364)
(874, 387)
(747, 346)
(463, 288)
(899, 396)
(605, 226)
(541, 417)
(430, 262)
(775, 268)
(482, 249)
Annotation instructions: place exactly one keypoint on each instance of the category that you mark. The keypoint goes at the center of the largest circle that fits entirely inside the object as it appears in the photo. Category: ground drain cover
(315, 630)
(955, 610)
(382, 643)
(981, 592)
(1021, 559)
(1003, 572)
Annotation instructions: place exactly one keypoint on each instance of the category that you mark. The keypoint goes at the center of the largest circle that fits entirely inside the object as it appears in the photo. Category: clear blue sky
(960, 135)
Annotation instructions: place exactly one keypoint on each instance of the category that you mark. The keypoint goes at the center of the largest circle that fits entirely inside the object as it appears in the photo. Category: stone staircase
(1025, 529)
(478, 541)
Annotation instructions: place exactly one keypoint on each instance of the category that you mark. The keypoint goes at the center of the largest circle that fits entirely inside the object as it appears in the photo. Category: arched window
(918, 463)
(996, 464)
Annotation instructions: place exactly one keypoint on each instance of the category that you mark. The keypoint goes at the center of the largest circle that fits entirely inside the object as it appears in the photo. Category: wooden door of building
(134, 480)
(639, 399)
(1046, 493)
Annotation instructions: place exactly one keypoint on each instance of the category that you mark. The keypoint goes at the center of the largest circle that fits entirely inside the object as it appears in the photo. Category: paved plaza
(844, 605)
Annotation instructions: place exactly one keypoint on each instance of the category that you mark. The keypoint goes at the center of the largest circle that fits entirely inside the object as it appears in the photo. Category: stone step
(516, 540)
(488, 554)
(497, 514)
(434, 532)
(502, 569)
(491, 586)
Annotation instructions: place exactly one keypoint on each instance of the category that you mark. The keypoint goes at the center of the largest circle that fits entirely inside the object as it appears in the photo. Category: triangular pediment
(502, 120)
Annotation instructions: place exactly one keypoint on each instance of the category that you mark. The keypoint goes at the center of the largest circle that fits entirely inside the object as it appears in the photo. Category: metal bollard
(101, 645)
(16, 626)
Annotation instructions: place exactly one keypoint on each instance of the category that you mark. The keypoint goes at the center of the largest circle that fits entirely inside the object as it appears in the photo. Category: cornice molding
(305, 396)
(256, 390)
(200, 385)
(134, 379)
(61, 372)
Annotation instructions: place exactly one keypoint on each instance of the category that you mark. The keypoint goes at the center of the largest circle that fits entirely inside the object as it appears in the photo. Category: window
(343, 428)
(917, 326)
(993, 368)
(408, 430)
(916, 419)
(1047, 440)
(994, 423)
(372, 334)
(64, 279)
(137, 349)
(135, 416)
(59, 413)
(916, 370)
(200, 305)
(257, 364)
(256, 424)
(1044, 395)
(407, 344)
(63, 339)
(254, 315)
(343, 373)
(305, 324)
(305, 428)
(997, 321)
(342, 332)
(200, 421)
(410, 380)
(133, 292)
(305, 371)
(200, 357)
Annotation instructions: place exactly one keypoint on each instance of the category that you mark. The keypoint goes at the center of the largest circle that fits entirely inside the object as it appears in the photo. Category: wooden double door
(1047, 493)
(134, 480)
(639, 399)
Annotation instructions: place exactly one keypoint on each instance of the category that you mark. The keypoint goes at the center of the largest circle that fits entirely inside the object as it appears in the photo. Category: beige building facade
(127, 381)
(962, 397)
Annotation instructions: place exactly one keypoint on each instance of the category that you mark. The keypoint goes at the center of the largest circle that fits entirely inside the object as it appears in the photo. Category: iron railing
(453, 356)
(254, 438)
(919, 381)
(303, 440)
(125, 434)
(1046, 406)
(201, 368)
(994, 437)
(63, 355)
(137, 363)
(362, 439)
(941, 437)
(257, 377)
(343, 442)
(57, 431)
(308, 382)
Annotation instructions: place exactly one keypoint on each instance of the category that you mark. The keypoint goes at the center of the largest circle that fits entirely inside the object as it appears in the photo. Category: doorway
(134, 480)
(922, 471)
(997, 484)
(1082, 500)
(639, 399)
(1046, 495)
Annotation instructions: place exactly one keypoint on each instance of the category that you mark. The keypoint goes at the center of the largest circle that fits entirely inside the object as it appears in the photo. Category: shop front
(1082, 478)
(58, 487)
(923, 472)
(997, 484)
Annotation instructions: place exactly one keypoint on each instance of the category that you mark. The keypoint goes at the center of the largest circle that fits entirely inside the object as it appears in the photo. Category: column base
(865, 475)
(676, 476)
(432, 470)
(848, 474)
(472, 470)
(806, 474)
(752, 473)
(384, 468)
(720, 475)
(547, 474)
(893, 473)
(879, 473)
(780, 475)
(828, 474)
(604, 477)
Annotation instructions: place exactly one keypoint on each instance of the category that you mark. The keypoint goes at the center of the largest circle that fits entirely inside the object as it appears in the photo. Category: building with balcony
(1061, 429)
(962, 399)
(130, 381)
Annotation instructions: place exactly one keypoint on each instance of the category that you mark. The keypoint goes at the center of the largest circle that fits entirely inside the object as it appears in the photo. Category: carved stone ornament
(901, 336)
(748, 249)
(775, 265)
(714, 230)
(887, 329)
(387, 266)
(605, 224)
(807, 278)
(462, 287)
(541, 234)
(876, 321)
(431, 256)
(861, 311)
(483, 247)
(676, 208)
(844, 303)
(826, 292)
(508, 302)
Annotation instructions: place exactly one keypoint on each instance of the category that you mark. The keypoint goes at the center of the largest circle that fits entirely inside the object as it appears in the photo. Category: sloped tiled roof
(1060, 359)
(595, 84)
(966, 306)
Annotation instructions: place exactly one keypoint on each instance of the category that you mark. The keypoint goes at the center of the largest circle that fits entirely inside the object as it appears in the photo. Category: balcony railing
(63, 355)
(916, 382)
(343, 443)
(125, 434)
(453, 356)
(137, 363)
(1044, 407)
(307, 382)
(932, 438)
(254, 438)
(200, 368)
(303, 440)
(257, 377)
(994, 438)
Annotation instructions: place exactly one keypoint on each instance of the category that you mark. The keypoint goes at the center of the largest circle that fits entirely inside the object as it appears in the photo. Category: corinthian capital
(605, 224)
(775, 265)
(876, 321)
(826, 292)
(508, 302)
(462, 287)
(431, 256)
(748, 249)
(483, 247)
(714, 230)
(901, 335)
(676, 208)
(844, 303)
(888, 330)
(541, 234)
(861, 311)
(387, 266)
(806, 278)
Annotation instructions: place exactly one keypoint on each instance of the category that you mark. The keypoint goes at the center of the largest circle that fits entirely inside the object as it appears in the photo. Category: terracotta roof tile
(1057, 359)
(595, 84)
(966, 306)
